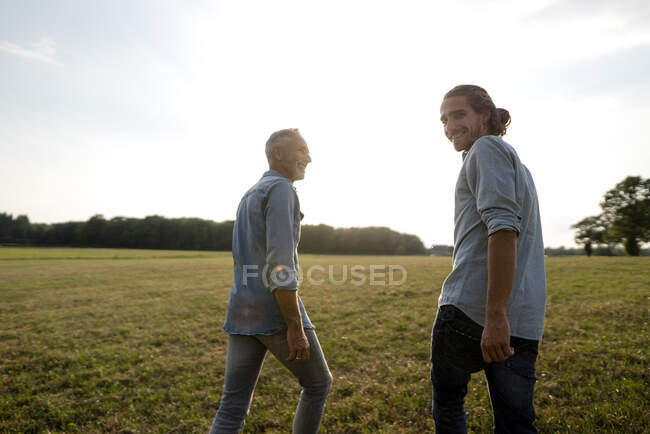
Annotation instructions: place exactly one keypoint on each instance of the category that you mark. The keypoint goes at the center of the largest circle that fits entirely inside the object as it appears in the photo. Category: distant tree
(319, 238)
(20, 228)
(94, 230)
(6, 221)
(67, 234)
(38, 233)
(626, 208)
(358, 241)
(411, 245)
(590, 231)
(117, 232)
(562, 251)
(441, 250)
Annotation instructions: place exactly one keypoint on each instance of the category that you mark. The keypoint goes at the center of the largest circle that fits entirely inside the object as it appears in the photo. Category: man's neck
(281, 171)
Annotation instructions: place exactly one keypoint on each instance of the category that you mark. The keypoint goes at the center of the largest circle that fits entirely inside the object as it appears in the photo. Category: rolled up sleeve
(491, 178)
(281, 242)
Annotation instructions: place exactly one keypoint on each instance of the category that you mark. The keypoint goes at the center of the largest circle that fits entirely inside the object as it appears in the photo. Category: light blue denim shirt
(494, 192)
(264, 249)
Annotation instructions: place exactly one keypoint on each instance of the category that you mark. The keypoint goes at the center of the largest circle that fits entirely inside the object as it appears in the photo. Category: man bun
(502, 121)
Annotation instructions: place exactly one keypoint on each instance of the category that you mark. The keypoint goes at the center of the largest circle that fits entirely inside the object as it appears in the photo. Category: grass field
(130, 341)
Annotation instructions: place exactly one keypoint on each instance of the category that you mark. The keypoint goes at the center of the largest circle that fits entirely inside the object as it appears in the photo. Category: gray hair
(280, 138)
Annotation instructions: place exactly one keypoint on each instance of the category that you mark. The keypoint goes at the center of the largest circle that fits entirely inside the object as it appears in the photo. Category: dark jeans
(456, 353)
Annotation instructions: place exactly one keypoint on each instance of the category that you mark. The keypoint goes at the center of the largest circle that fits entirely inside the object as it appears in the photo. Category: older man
(491, 309)
(265, 311)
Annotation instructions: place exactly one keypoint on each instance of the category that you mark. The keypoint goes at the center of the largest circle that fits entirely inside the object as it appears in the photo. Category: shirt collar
(277, 174)
(272, 172)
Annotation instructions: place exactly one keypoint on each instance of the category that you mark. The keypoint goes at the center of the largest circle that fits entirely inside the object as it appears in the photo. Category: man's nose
(450, 126)
(447, 129)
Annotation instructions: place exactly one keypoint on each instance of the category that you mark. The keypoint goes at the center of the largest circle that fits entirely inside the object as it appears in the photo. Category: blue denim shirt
(264, 249)
(494, 192)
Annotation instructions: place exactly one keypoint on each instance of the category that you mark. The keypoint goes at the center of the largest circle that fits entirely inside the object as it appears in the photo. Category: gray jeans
(243, 365)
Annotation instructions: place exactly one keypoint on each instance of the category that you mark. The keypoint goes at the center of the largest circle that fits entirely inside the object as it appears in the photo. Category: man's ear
(277, 153)
(485, 118)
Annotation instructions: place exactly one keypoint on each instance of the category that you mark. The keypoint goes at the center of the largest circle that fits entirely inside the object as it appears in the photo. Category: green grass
(130, 340)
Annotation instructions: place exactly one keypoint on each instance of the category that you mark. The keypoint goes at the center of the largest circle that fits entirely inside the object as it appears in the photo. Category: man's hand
(495, 341)
(502, 262)
(298, 345)
(296, 339)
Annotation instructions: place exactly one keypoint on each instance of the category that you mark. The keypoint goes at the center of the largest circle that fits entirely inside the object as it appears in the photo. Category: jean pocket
(523, 363)
(461, 346)
(462, 325)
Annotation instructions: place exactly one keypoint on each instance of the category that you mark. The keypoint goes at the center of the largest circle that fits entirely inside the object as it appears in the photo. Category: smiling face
(292, 159)
(463, 126)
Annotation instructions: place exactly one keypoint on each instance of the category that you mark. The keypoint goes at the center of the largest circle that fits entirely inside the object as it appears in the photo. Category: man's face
(295, 158)
(463, 126)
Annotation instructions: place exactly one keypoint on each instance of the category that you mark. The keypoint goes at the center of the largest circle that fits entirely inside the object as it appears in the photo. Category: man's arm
(298, 343)
(491, 177)
(502, 261)
(280, 250)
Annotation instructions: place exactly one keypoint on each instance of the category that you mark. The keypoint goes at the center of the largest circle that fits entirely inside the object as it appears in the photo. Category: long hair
(480, 101)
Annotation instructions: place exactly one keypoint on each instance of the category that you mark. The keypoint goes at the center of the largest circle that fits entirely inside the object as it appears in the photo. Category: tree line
(358, 241)
(625, 219)
(157, 232)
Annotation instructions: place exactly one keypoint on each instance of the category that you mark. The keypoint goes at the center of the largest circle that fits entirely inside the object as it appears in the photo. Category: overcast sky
(133, 108)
